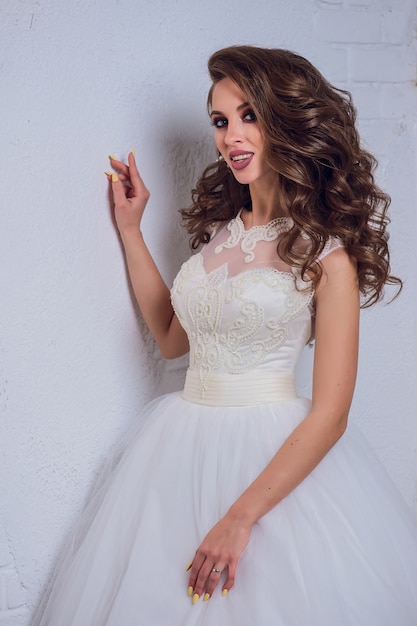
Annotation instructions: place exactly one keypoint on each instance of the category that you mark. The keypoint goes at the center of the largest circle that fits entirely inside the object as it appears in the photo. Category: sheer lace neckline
(248, 238)
(282, 224)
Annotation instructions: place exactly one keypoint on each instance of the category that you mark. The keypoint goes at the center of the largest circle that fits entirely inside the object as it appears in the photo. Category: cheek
(218, 140)
(258, 138)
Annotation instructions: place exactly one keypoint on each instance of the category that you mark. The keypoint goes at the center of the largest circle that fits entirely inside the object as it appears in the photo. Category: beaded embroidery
(238, 316)
(227, 329)
(249, 238)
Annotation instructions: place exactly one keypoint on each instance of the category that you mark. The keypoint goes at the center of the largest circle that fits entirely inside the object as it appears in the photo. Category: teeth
(241, 157)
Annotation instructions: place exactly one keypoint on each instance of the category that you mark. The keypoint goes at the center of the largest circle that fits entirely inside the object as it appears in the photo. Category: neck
(267, 201)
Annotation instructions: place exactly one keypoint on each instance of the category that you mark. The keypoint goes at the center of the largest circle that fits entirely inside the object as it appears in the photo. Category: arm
(335, 364)
(153, 296)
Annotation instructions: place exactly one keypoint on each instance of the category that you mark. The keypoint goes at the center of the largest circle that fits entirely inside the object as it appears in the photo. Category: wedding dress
(340, 550)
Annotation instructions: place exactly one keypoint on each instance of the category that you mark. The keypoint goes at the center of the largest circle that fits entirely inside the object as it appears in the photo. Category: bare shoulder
(339, 272)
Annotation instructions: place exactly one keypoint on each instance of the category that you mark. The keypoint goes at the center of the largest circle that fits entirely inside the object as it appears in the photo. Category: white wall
(80, 79)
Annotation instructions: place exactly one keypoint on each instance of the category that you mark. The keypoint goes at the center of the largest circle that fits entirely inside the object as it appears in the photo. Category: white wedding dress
(340, 550)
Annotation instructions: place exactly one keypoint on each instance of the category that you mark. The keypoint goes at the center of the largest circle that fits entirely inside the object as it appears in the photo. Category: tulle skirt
(340, 550)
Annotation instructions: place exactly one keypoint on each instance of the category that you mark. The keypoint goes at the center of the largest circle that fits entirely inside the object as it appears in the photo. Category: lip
(242, 162)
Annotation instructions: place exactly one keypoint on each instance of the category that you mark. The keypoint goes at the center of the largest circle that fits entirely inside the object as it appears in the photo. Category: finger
(213, 580)
(138, 185)
(190, 590)
(203, 578)
(123, 178)
(230, 581)
(194, 569)
(119, 191)
(119, 166)
(115, 161)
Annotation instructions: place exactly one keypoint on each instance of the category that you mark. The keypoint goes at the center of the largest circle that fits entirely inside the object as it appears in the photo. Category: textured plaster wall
(80, 79)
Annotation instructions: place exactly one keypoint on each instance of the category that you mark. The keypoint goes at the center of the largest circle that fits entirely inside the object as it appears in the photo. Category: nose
(234, 132)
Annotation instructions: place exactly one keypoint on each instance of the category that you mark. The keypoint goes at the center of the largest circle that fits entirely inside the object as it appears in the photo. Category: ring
(216, 571)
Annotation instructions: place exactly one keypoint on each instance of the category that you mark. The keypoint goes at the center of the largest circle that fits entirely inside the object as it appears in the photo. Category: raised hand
(221, 550)
(129, 192)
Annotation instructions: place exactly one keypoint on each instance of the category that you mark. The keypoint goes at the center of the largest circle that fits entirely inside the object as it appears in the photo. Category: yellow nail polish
(224, 592)
(190, 591)
(206, 597)
(196, 598)
(189, 566)
(108, 173)
(114, 178)
(114, 158)
(132, 150)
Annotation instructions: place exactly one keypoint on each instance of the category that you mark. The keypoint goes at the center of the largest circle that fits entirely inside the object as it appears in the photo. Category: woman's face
(237, 134)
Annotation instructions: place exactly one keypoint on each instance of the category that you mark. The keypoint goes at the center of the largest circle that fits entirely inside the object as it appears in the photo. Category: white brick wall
(75, 369)
(388, 64)
(12, 594)
(368, 48)
(364, 3)
(396, 25)
(348, 26)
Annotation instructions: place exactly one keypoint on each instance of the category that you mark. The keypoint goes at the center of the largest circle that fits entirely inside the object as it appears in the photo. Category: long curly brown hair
(312, 144)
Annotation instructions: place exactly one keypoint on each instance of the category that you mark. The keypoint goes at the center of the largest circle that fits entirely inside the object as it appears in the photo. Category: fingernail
(189, 566)
(108, 173)
(206, 597)
(190, 591)
(114, 178)
(132, 150)
(114, 158)
(196, 598)
(224, 592)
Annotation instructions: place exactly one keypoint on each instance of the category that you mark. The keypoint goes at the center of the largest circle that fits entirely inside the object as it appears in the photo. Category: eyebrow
(239, 108)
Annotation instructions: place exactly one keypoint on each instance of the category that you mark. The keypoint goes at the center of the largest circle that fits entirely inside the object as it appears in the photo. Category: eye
(249, 116)
(218, 122)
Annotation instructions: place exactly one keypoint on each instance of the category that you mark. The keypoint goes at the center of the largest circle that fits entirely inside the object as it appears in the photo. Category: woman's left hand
(220, 550)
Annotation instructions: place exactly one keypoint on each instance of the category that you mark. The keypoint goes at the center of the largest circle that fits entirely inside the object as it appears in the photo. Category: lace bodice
(242, 307)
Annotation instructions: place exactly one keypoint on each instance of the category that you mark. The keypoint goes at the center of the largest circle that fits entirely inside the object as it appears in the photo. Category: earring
(220, 158)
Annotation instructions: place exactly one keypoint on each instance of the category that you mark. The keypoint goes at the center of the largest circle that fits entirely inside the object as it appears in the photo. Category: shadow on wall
(184, 157)
(178, 160)
(186, 154)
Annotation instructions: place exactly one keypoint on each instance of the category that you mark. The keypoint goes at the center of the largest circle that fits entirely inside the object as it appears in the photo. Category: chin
(244, 178)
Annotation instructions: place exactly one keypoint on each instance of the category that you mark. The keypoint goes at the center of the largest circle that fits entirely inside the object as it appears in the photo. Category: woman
(287, 517)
